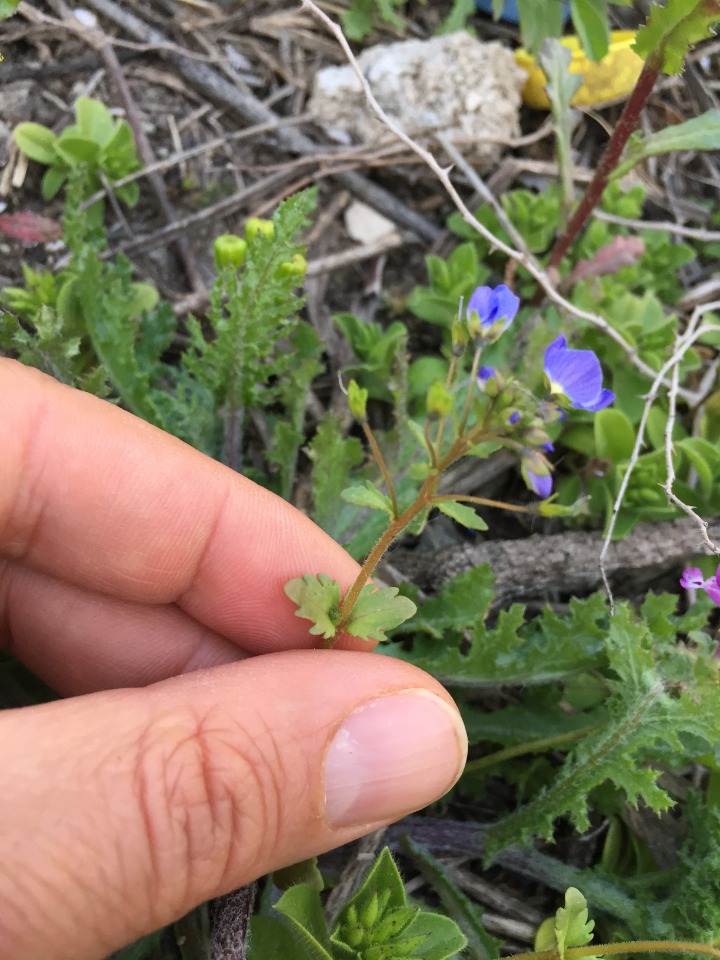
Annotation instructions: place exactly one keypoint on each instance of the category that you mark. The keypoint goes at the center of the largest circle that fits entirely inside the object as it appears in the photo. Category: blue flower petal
(481, 302)
(604, 400)
(485, 373)
(577, 374)
(506, 304)
(542, 486)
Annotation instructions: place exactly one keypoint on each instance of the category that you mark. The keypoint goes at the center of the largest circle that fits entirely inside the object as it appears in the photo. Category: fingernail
(391, 756)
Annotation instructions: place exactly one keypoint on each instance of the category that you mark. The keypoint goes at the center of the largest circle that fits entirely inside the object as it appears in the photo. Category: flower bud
(459, 334)
(255, 225)
(293, 268)
(229, 250)
(357, 400)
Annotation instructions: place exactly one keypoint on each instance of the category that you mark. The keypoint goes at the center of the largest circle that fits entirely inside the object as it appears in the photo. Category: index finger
(91, 495)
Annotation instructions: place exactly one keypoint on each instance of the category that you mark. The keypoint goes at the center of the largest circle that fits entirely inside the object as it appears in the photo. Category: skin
(143, 582)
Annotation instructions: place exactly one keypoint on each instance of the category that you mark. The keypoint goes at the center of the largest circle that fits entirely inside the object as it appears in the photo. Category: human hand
(130, 564)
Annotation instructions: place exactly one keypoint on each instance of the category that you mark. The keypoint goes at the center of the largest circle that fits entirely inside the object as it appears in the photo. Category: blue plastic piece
(510, 10)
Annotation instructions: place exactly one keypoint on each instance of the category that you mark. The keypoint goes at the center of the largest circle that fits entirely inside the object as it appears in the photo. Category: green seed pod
(351, 914)
(229, 250)
(370, 912)
(357, 400)
(393, 924)
(407, 947)
(255, 225)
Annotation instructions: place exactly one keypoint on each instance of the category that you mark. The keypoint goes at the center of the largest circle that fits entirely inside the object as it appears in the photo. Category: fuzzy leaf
(614, 435)
(462, 513)
(318, 600)
(368, 496)
(672, 30)
(301, 906)
(7, 8)
(378, 610)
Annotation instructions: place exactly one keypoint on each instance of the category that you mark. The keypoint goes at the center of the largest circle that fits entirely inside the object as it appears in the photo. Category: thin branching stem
(381, 463)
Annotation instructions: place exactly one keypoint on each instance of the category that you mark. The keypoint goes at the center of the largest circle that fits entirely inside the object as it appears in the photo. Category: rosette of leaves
(102, 143)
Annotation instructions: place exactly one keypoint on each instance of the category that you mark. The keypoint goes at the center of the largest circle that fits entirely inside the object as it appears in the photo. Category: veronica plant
(465, 416)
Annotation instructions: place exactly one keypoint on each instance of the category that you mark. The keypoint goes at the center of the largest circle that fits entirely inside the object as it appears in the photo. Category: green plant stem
(530, 746)
(483, 502)
(625, 126)
(470, 392)
(435, 450)
(629, 947)
(432, 449)
(398, 524)
(381, 463)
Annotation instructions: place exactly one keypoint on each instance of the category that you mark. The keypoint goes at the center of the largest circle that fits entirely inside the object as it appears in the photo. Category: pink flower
(692, 579)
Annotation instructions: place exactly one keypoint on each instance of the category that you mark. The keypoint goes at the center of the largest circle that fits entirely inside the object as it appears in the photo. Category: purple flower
(491, 309)
(537, 473)
(577, 375)
(692, 579)
(542, 486)
(486, 373)
(514, 417)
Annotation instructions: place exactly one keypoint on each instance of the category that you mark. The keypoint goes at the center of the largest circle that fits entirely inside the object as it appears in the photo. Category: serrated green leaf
(333, 457)
(36, 142)
(378, 610)
(461, 513)
(318, 600)
(614, 435)
(368, 496)
(672, 30)
(572, 926)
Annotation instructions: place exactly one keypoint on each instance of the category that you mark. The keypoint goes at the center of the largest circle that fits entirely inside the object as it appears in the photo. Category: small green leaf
(572, 927)
(462, 514)
(368, 496)
(74, 149)
(698, 133)
(36, 142)
(614, 435)
(304, 872)
(378, 610)
(318, 600)
(590, 19)
(94, 120)
(52, 181)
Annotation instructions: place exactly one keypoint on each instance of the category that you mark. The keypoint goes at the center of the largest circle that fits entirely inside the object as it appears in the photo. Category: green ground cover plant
(603, 706)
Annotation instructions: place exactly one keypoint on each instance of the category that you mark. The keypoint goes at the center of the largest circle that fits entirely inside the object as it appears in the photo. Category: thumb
(122, 810)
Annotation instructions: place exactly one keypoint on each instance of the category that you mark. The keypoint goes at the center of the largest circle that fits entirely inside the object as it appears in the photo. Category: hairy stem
(381, 463)
(634, 946)
(530, 746)
(626, 124)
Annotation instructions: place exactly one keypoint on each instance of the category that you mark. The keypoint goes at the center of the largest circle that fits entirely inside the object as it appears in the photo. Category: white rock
(366, 225)
(468, 90)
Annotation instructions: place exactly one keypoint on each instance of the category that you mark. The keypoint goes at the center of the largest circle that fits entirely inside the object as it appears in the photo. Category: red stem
(613, 151)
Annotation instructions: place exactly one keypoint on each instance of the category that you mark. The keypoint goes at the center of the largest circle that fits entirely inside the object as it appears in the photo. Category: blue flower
(577, 375)
(537, 473)
(485, 373)
(491, 310)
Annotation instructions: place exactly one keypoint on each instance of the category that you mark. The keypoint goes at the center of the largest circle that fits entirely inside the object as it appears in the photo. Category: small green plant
(104, 146)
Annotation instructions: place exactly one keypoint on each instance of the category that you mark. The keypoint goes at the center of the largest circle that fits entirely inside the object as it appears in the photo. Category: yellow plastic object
(611, 78)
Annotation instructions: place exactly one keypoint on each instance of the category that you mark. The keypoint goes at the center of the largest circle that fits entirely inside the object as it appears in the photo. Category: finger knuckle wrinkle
(203, 798)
